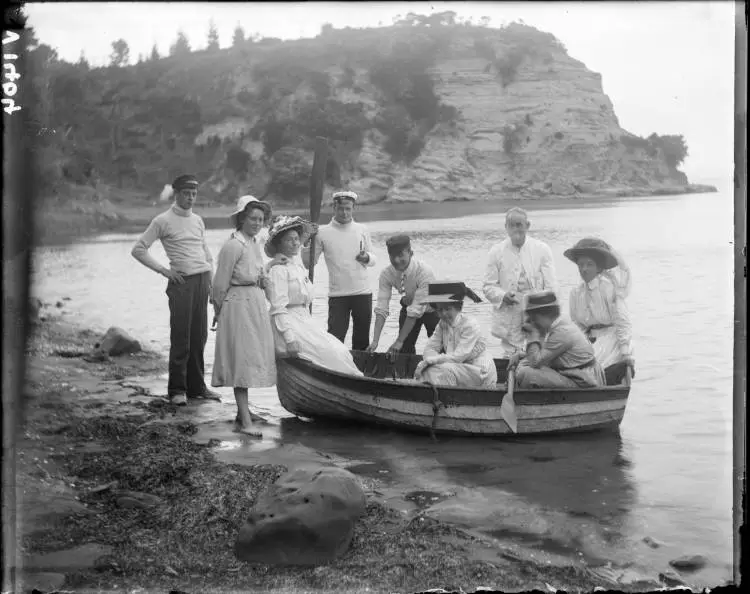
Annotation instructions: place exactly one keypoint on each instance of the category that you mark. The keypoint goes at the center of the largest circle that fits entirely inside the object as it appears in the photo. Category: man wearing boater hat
(347, 248)
(183, 236)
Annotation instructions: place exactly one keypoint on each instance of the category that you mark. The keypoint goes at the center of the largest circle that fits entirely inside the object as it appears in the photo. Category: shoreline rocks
(306, 517)
(116, 342)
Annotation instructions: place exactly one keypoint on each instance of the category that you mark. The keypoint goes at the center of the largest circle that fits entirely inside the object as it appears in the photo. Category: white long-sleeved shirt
(601, 302)
(340, 245)
(413, 283)
(523, 270)
(183, 236)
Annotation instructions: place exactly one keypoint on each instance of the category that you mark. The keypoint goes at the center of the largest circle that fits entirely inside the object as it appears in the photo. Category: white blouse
(462, 342)
(288, 286)
(602, 302)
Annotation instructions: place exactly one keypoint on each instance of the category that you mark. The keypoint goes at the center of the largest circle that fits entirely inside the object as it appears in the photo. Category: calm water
(667, 475)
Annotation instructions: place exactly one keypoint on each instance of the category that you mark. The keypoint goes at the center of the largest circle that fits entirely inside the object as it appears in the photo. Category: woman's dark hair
(243, 215)
(459, 305)
(597, 258)
(550, 310)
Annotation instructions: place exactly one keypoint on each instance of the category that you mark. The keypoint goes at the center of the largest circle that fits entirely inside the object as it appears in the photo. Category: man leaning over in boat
(411, 278)
(558, 354)
(516, 266)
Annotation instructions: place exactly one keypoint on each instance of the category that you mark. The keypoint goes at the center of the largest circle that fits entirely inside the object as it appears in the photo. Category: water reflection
(571, 493)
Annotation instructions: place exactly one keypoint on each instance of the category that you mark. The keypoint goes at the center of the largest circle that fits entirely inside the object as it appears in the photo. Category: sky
(668, 67)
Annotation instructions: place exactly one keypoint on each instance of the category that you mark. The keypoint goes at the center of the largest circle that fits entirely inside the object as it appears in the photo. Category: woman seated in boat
(290, 294)
(598, 305)
(456, 353)
(558, 354)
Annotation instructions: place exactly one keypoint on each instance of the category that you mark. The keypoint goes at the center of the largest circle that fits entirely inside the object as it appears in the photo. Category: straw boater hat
(243, 203)
(344, 195)
(596, 249)
(280, 224)
(449, 292)
(540, 300)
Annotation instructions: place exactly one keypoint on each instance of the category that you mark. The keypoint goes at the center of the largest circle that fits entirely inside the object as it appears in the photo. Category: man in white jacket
(516, 266)
(347, 248)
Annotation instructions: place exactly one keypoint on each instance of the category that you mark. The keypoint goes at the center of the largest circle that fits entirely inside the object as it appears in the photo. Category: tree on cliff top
(213, 37)
(238, 38)
(181, 46)
(673, 147)
(120, 53)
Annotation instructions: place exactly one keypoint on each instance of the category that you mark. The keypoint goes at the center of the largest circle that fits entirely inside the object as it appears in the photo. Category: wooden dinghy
(387, 396)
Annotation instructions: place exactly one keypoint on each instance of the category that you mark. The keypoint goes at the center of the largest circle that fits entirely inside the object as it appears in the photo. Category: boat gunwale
(300, 363)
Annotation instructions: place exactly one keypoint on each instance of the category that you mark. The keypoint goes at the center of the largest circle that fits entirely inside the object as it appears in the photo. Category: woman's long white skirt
(244, 356)
(315, 344)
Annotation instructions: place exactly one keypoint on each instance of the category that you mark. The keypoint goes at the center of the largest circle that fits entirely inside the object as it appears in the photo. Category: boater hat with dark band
(449, 292)
(185, 182)
(540, 300)
(596, 249)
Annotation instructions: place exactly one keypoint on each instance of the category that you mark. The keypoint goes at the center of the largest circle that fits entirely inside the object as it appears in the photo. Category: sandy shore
(93, 429)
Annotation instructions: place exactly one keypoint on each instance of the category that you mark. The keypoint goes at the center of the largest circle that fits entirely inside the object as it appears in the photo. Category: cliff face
(425, 113)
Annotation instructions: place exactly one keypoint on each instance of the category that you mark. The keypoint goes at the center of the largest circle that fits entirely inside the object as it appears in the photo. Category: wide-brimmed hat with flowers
(279, 225)
(243, 203)
(449, 292)
(596, 249)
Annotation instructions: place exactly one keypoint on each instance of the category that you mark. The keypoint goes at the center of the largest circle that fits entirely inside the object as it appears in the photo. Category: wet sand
(64, 391)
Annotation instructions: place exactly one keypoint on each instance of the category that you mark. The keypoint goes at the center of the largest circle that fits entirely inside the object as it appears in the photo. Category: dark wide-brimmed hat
(596, 249)
(449, 292)
(540, 300)
(397, 244)
(244, 202)
(185, 182)
(281, 224)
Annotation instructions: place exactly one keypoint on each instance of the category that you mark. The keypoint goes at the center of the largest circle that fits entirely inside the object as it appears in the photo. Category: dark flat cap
(397, 244)
(185, 182)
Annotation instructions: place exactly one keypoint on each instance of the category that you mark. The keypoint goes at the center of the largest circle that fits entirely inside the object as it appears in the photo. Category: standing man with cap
(183, 236)
(411, 278)
(346, 246)
(516, 266)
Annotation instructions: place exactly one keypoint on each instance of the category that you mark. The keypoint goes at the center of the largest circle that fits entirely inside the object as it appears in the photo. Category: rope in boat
(436, 405)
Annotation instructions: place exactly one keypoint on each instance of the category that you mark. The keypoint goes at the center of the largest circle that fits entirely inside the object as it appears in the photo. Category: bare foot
(250, 431)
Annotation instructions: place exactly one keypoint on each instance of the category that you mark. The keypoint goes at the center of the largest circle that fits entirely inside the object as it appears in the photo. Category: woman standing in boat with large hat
(598, 305)
(244, 356)
(290, 293)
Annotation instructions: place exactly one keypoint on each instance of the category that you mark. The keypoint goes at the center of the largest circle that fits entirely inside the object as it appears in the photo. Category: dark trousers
(429, 320)
(359, 308)
(188, 325)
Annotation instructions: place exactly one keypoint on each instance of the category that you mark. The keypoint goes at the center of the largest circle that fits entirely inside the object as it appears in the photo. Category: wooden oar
(317, 182)
(508, 406)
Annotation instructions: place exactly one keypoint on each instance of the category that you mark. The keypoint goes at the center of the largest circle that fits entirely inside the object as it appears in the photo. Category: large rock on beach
(689, 563)
(306, 517)
(117, 342)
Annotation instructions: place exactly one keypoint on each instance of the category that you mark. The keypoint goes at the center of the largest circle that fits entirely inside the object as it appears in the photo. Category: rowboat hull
(309, 391)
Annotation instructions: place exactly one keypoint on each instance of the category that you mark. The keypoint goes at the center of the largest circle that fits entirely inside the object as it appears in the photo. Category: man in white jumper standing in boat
(347, 248)
(183, 236)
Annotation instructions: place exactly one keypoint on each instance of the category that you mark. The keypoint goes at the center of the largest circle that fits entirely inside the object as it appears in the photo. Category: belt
(248, 284)
(598, 327)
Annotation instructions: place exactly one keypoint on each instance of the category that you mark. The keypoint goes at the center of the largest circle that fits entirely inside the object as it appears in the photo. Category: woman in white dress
(456, 353)
(597, 305)
(244, 356)
(290, 293)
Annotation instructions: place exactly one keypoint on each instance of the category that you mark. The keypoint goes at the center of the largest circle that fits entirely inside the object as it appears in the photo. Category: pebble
(689, 563)
(670, 578)
(652, 542)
